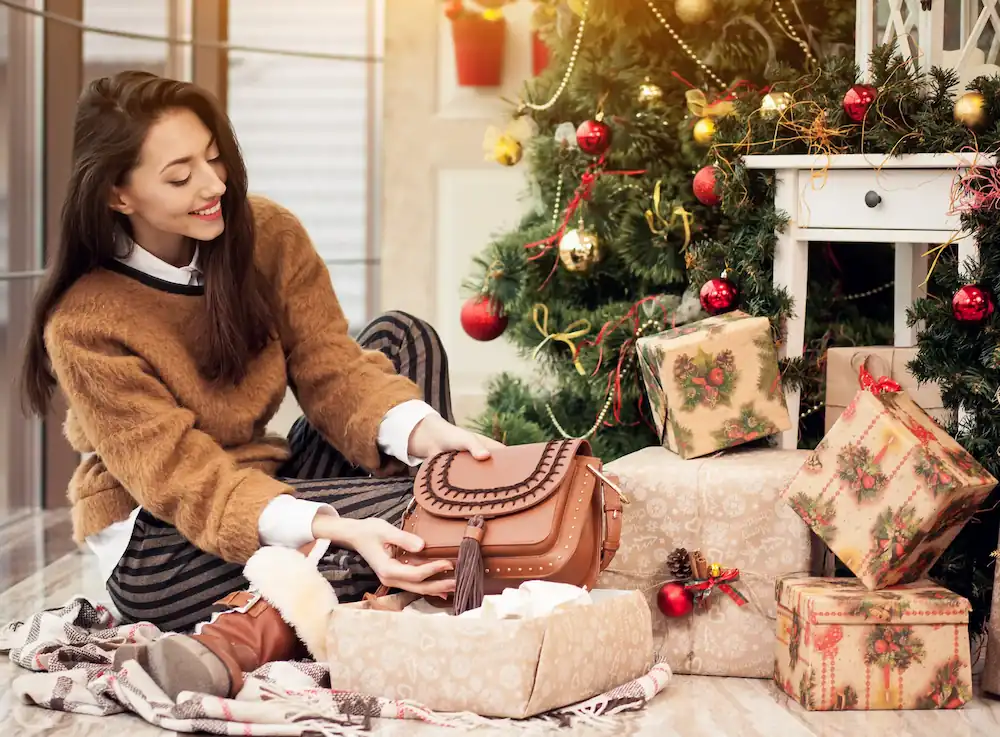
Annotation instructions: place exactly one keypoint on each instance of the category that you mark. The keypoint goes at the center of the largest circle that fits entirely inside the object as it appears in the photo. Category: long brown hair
(112, 119)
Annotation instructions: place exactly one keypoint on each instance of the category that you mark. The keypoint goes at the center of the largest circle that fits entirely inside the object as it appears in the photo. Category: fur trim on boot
(290, 583)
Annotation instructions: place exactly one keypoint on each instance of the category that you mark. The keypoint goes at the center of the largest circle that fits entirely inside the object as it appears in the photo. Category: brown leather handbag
(540, 511)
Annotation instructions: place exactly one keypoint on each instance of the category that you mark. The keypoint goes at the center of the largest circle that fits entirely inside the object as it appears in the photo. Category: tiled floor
(39, 567)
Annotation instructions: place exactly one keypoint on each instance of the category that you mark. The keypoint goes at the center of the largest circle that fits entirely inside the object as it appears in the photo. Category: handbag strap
(612, 507)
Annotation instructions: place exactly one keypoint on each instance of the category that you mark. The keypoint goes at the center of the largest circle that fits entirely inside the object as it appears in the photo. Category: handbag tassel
(469, 570)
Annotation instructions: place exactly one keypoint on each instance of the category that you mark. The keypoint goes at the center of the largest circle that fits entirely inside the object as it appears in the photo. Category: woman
(177, 313)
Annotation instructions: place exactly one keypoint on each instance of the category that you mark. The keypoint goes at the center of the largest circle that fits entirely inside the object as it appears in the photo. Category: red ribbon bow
(703, 589)
(876, 386)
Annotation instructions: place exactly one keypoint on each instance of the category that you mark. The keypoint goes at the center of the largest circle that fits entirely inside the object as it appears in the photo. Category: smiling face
(174, 192)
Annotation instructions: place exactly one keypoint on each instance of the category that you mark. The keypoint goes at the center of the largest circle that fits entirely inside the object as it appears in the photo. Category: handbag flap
(455, 485)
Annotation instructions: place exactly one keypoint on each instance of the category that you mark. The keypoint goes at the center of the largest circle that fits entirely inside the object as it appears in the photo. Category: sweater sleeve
(343, 389)
(151, 445)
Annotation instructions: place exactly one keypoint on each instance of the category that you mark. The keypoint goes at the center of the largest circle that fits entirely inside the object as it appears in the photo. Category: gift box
(513, 668)
(840, 646)
(842, 365)
(713, 384)
(887, 489)
(729, 509)
(991, 671)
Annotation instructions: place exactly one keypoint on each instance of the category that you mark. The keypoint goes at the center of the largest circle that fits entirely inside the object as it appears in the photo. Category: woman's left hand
(434, 435)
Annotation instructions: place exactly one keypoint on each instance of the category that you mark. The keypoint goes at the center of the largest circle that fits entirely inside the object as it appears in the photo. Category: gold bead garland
(867, 293)
(687, 49)
(569, 68)
(611, 395)
(791, 30)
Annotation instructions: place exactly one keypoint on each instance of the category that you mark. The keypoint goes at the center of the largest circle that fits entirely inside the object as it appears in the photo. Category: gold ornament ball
(775, 103)
(693, 11)
(649, 92)
(970, 110)
(704, 131)
(507, 151)
(579, 250)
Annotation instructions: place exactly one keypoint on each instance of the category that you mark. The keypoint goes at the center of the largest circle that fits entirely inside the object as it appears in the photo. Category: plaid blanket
(70, 650)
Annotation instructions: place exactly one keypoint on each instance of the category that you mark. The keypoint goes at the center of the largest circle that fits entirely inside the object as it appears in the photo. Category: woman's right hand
(374, 539)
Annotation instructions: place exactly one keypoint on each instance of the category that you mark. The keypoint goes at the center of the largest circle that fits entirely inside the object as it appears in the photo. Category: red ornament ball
(972, 304)
(674, 600)
(593, 137)
(857, 101)
(704, 186)
(719, 295)
(483, 318)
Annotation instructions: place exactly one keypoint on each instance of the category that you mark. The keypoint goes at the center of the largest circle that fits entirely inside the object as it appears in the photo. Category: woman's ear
(118, 202)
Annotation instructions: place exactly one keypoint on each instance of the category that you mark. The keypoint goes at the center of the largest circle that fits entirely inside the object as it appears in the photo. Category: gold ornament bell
(649, 92)
(579, 250)
(704, 131)
(775, 103)
(970, 110)
(507, 150)
(715, 570)
(693, 11)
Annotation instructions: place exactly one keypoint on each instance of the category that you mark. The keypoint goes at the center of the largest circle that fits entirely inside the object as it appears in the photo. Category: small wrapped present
(714, 384)
(840, 646)
(729, 509)
(887, 489)
(843, 364)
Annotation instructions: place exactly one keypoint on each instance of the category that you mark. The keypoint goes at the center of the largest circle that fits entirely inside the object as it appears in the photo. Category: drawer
(904, 199)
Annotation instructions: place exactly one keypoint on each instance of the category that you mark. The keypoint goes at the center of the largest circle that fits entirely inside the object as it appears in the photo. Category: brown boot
(233, 643)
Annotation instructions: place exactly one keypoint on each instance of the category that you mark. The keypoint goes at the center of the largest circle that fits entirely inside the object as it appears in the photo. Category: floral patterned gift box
(840, 646)
(887, 489)
(714, 384)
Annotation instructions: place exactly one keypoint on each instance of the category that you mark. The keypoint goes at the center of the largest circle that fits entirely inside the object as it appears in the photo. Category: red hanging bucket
(479, 50)
(539, 54)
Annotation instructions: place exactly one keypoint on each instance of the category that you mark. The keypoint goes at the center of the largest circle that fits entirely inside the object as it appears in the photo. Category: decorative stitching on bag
(554, 458)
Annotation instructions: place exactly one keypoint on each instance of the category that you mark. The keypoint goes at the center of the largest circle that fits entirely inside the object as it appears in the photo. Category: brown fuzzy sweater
(192, 453)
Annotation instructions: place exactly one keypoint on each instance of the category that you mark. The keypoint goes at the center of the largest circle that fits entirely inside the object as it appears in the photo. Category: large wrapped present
(842, 365)
(713, 384)
(991, 673)
(887, 489)
(487, 665)
(840, 646)
(729, 509)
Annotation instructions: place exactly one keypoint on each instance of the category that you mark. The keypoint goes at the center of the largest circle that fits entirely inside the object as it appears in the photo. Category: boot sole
(178, 663)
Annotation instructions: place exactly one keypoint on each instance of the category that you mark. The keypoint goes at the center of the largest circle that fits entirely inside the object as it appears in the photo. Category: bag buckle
(610, 483)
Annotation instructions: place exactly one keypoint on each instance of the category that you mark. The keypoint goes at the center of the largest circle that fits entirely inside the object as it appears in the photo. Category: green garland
(912, 113)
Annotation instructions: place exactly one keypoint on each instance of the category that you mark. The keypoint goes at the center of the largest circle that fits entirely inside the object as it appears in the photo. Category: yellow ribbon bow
(679, 212)
(697, 104)
(576, 329)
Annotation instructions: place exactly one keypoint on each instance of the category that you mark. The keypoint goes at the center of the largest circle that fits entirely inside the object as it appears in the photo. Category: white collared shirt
(286, 521)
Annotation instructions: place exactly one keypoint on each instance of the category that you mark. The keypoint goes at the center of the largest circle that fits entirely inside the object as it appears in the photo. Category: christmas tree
(615, 132)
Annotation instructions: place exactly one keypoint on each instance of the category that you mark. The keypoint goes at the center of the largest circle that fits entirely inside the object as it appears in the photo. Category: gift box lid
(694, 332)
(848, 601)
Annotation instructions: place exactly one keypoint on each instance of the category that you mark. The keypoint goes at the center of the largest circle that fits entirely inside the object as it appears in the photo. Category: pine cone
(679, 563)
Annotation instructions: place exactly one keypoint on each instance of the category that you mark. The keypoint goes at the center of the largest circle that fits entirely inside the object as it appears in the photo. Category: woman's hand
(373, 539)
(434, 434)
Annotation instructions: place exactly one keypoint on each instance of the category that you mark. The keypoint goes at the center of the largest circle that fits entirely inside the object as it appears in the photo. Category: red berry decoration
(674, 600)
(972, 304)
(593, 137)
(857, 101)
(704, 186)
(483, 318)
(719, 295)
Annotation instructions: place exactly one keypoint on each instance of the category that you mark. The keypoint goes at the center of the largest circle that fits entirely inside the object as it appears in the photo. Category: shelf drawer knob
(873, 198)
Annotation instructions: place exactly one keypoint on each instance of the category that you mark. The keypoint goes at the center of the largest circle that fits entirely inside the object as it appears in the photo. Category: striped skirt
(164, 579)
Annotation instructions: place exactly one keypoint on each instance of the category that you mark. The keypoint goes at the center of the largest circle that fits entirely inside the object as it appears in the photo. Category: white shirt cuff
(287, 521)
(397, 426)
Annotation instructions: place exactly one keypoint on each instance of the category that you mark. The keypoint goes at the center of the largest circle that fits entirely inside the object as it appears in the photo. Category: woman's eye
(182, 182)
